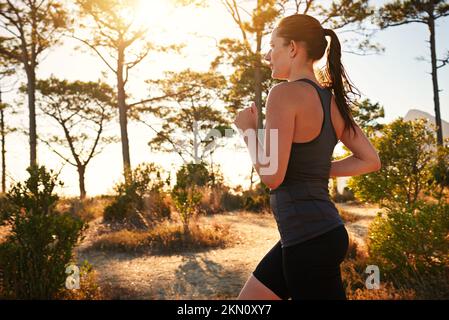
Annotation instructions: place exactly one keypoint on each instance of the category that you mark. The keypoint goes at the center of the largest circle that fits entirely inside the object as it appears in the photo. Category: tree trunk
(31, 91)
(81, 173)
(436, 98)
(195, 142)
(123, 116)
(3, 134)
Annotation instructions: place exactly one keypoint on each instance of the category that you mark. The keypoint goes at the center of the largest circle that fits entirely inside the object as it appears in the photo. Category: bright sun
(152, 12)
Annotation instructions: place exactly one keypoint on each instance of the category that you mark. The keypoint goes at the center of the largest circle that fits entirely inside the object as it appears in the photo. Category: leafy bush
(257, 199)
(407, 158)
(411, 244)
(186, 193)
(187, 200)
(193, 174)
(39, 247)
(230, 202)
(440, 170)
(125, 205)
(413, 237)
(142, 200)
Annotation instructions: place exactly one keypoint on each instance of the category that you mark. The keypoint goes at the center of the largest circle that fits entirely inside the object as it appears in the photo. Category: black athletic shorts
(307, 270)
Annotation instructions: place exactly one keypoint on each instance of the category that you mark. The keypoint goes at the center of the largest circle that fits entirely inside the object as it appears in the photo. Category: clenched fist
(247, 118)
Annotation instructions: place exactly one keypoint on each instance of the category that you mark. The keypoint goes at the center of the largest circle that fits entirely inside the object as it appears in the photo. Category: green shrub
(39, 247)
(126, 204)
(193, 174)
(231, 202)
(411, 244)
(440, 170)
(257, 199)
(141, 201)
(187, 202)
(407, 159)
(186, 194)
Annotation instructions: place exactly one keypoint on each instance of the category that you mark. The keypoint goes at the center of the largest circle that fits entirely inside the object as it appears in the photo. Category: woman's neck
(301, 75)
(304, 70)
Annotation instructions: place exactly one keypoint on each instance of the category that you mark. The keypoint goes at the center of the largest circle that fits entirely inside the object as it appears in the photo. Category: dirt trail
(359, 228)
(213, 274)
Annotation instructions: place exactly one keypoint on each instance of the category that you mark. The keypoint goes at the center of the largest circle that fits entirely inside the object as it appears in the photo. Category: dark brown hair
(305, 28)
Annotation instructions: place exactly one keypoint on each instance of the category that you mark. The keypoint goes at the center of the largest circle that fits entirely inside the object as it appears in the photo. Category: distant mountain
(415, 114)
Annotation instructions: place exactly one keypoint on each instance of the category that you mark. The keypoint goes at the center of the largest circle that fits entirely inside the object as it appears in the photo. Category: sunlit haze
(394, 79)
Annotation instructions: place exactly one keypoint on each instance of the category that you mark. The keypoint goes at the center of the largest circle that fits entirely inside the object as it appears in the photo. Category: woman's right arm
(364, 158)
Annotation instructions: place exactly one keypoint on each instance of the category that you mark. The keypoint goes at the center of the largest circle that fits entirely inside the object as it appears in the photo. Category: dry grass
(165, 238)
(5, 230)
(385, 292)
(348, 216)
(431, 284)
(89, 287)
(88, 209)
(354, 251)
(354, 277)
(118, 292)
(211, 200)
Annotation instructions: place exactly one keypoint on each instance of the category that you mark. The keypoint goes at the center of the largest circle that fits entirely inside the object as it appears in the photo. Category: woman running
(310, 117)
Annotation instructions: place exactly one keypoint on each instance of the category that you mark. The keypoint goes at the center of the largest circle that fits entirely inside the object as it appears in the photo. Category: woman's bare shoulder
(288, 93)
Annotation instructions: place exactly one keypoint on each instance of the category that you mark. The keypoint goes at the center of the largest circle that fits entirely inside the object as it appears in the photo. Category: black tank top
(311, 161)
(301, 203)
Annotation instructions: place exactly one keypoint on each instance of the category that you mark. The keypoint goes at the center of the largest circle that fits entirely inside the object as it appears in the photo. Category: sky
(393, 78)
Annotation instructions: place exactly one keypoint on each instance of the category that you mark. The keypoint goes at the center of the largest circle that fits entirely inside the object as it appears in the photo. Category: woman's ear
(293, 46)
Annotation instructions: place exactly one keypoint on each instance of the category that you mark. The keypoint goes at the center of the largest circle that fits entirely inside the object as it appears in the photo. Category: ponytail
(337, 79)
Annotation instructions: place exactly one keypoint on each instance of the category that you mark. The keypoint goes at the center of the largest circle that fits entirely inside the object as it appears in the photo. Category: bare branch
(142, 56)
(95, 49)
(444, 61)
(158, 98)
(55, 151)
(395, 24)
(167, 138)
(233, 9)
